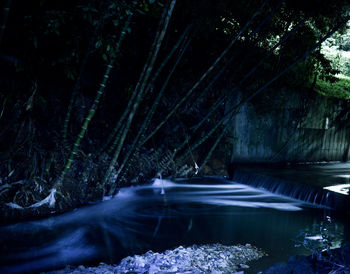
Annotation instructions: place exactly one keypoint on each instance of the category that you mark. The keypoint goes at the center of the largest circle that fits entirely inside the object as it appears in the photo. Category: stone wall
(293, 127)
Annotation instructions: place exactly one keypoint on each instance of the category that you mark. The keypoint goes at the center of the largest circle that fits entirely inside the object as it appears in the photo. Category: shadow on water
(158, 217)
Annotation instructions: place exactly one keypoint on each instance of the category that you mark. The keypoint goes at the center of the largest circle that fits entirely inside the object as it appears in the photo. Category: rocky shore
(220, 259)
(215, 258)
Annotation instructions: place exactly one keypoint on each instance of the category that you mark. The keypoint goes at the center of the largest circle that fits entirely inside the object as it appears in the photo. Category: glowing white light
(196, 167)
(342, 189)
(163, 183)
(314, 238)
(343, 176)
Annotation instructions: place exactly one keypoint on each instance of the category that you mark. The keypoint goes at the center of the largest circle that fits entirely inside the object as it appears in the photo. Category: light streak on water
(342, 189)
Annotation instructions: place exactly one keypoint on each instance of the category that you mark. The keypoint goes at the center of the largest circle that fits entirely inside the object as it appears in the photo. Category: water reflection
(158, 217)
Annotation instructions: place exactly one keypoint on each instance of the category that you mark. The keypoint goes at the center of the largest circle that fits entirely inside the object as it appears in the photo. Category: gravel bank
(215, 258)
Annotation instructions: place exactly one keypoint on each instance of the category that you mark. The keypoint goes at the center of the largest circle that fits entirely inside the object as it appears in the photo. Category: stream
(165, 214)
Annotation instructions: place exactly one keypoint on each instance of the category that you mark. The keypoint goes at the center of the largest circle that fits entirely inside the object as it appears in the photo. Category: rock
(153, 269)
(194, 259)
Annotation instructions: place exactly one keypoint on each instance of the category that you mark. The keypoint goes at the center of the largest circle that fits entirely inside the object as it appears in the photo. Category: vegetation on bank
(340, 88)
(100, 94)
(336, 49)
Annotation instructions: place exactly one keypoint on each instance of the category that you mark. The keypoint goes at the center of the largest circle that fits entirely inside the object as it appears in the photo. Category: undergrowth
(338, 89)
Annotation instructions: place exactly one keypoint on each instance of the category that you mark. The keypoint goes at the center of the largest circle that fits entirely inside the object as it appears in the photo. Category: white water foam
(229, 194)
(342, 189)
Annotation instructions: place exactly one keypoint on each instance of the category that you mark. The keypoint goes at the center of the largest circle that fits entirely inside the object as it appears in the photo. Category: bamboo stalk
(167, 58)
(140, 87)
(93, 108)
(221, 99)
(282, 41)
(206, 74)
(300, 59)
(212, 149)
(267, 18)
(161, 92)
(188, 137)
(222, 69)
(218, 102)
(118, 126)
(149, 86)
(216, 105)
(76, 87)
(135, 92)
(136, 145)
(87, 120)
(235, 110)
(256, 30)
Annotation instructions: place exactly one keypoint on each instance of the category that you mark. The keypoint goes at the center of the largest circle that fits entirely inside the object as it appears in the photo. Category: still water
(164, 215)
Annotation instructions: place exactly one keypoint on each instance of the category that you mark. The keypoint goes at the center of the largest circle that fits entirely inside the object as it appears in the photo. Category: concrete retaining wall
(300, 129)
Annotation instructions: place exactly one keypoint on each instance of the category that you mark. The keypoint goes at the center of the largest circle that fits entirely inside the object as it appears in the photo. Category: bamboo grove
(172, 114)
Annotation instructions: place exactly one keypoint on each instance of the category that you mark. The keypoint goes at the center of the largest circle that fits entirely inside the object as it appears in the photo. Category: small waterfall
(296, 190)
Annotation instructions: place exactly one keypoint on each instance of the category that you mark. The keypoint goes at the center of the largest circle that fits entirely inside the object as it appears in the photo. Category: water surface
(160, 216)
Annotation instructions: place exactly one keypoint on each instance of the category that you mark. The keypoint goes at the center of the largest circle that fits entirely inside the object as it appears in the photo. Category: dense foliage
(99, 94)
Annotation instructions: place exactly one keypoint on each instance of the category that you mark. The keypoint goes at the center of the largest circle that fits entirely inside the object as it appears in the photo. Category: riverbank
(217, 258)
(214, 258)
